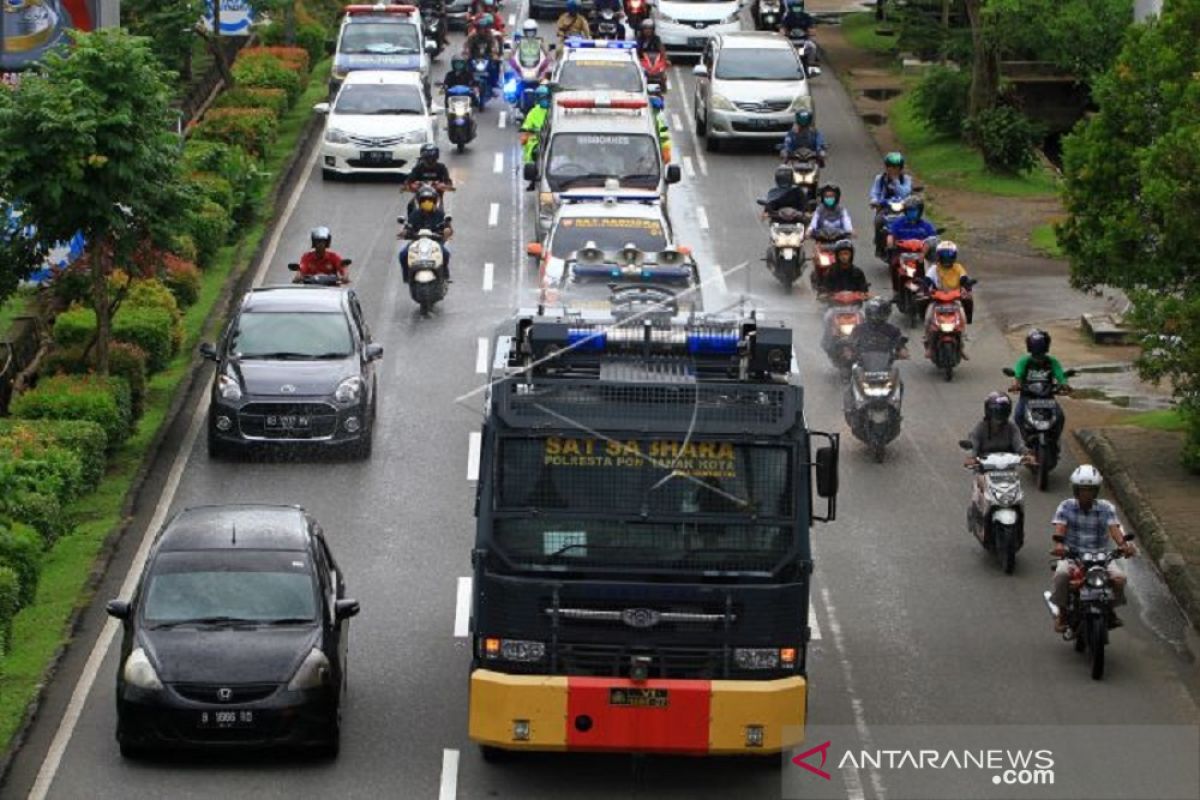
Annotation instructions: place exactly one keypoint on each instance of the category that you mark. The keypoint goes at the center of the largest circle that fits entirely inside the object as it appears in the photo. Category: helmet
(572, 6)
(784, 177)
(997, 407)
(542, 95)
(828, 188)
(1086, 476)
(430, 152)
(427, 194)
(893, 159)
(913, 207)
(647, 25)
(529, 28)
(1037, 342)
(486, 21)
(458, 63)
(843, 245)
(804, 117)
(878, 310)
(947, 252)
(607, 13)
(320, 234)
(656, 101)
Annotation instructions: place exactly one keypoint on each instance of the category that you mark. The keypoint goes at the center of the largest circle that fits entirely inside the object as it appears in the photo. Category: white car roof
(600, 54)
(393, 76)
(754, 40)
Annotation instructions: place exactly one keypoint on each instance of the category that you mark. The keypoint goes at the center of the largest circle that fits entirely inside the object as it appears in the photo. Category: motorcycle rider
(796, 18)
(996, 432)
(321, 260)
(889, 186)
(908, 227)
(876, 334)
(648, 41)
(571, 23)
(803, 135)
(437, 8)
(830, 214)
(1037, 357)
(947, 274)
(664, 130)
(479, 8)
(784, 194)
(482, 43)
(610, 16)
(531, 128)
(429, 170)
(1084, 523)
(426, 216)
(844, 276)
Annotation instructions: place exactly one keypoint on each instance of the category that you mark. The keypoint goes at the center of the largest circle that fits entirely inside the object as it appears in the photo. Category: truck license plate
(638, 698)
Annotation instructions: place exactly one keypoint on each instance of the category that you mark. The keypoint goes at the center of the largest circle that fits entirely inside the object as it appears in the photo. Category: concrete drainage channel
(1116, 383)
(877, 94)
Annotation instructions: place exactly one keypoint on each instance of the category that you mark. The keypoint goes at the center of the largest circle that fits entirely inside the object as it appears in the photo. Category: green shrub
(274, 100)
(267, 72)
(229, 162)
(124, 359)
(183, 245)
(252, 129)
(940, 100)
(210, 226)
(294, 58)
(152, 293)
(151, 329)
(10, 603)
(21, 551)
(102, 400)
(213, 187)
(1005, 137)
(40, 511)
(313, 38)
(85, 439)
(75, 328)
(34, 464)
(182, 278)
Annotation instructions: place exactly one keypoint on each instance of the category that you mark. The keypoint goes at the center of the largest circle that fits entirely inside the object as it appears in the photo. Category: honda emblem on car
(224, 694)
(640, 617)
(287, 388)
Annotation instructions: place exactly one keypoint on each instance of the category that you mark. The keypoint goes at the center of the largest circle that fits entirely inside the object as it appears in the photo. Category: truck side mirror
(827, 472)
(673, 173)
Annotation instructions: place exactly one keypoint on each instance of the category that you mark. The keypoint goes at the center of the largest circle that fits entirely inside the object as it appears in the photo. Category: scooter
(1042, 422)
(431, 26)
(607, 25)
(944, 329)
(844, 315)
(766, 15)
(460, 116)
(806, 48)
(823, 256)
(427, 282)
(323, 279)
(654, 67)
(908, 270)
(996, 514)
(806, 172)
(785, 255)
(1089, 603)
(892, 211)
(873, 397)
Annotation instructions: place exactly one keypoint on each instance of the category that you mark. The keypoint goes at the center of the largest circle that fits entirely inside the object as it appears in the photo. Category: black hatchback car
(296, 365)
(236, 635)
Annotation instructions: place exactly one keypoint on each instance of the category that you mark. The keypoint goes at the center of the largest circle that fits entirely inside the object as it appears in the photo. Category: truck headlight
(349, 390)
(336, 136)
(228, 388)
(513, 649)
(758, 657)
(313, 672)
(140, 672)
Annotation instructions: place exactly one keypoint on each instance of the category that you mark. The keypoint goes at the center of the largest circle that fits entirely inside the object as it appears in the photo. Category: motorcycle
(654, 67)
(431, 25)
(872, 407)
(892, 211)
(322, 279)
(427, 282)
(460, 116)
(1090, 603)
(996, 514)
(635, 12)
(806, 172)
(806, 48)
(844, 315)
(527, 67)
(1041, 423)
(944, 330)
(766, 15)
(908, 270)
(607, 26)
(785, 256)
(823, 256)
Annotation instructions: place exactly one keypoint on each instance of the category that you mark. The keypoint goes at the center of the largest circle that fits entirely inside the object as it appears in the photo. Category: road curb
(1183, 582)
(234, 287)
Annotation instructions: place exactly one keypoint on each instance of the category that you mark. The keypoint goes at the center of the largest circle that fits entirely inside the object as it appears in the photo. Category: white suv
(686, 25)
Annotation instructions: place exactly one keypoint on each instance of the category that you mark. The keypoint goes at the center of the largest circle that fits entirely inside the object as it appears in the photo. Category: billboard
(32, 27)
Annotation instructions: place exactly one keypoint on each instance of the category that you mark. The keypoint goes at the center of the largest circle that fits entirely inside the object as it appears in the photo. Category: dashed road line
(701, 161)
(676, 122)
(503, 120)
(473, 445)
(813, 626)
(702, 217)
(689, 168)
(481, 356)
(449, 786)
(512, 20)
(462, 608)
(493, 215)
(498, 163)
(489, 276)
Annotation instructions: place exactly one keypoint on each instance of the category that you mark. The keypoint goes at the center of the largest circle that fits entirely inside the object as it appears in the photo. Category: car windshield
(600, 75)
(607, 233)
(737, 64)
(292, 334)
(585, 159)
(380, 38)
(255, 586)
(379, 99)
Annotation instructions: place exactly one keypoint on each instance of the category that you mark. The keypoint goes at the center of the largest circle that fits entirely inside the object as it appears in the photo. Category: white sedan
(377, 124)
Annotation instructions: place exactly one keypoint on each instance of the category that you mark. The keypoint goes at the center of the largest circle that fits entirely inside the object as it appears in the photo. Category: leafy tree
(20, 253)
(88, 148)
(1133, 198)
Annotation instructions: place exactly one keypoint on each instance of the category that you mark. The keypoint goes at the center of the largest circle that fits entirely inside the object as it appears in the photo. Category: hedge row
(149, 319)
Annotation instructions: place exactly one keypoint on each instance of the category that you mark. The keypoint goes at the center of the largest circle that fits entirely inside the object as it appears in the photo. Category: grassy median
(41, 629)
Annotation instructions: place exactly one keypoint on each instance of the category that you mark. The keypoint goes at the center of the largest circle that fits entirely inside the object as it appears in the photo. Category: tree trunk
(101, 304)
(985, 66)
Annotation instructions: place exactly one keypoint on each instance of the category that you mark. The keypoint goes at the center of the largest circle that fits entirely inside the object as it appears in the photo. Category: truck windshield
(588, 159)
(695, 504)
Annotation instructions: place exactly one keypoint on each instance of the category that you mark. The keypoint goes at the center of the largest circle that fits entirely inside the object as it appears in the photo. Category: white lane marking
(462, 608)
(481, 356)
(860, 719)
(498, 163)
(702, 216)
(676, 122)
(87, 678)
(719, 278)
(503, 119)
(689, 169)
(493, 215)
(473, 444)
(449, 787)
(687, 106)
(813, 626)
(512, 20)
(489, 273)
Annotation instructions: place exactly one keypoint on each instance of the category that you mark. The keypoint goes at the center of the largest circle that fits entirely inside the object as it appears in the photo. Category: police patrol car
(608, 66)
(381, 36)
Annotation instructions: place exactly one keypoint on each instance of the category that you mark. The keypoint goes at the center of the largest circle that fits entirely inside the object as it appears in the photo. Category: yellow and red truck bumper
(697, 717)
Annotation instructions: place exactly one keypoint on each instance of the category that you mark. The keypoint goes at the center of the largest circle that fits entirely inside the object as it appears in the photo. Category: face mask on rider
(912, 215)
(829, 202)
(427, 206)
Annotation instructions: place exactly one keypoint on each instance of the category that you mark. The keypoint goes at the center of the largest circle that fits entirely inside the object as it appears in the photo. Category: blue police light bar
(713, 342)
(599, 44)
(587, 340)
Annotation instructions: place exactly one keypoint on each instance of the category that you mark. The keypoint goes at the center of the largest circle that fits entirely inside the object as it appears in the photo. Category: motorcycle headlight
(140, 672)
(846, 328)
(721, 103)
(513, 649)
(228, 389)
(1096, 579)
(878, 391)
(336, 136)
(313, 672)
(349, 390)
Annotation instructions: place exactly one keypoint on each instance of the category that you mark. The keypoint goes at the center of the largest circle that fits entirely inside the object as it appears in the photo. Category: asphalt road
(915, 624)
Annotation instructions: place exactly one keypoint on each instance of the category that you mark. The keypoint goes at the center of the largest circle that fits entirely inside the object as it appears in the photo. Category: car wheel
(133, 752)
